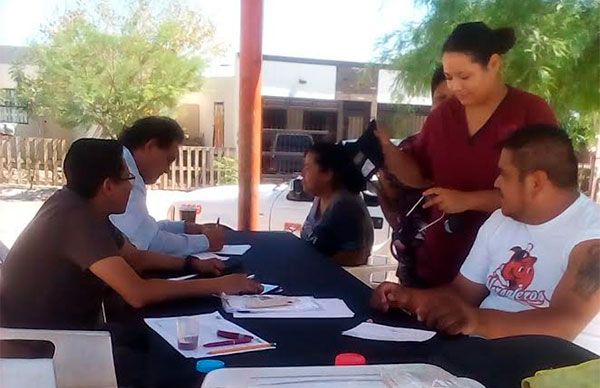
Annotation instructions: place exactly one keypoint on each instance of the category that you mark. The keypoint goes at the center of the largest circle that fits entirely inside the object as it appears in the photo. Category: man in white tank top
(535, 265)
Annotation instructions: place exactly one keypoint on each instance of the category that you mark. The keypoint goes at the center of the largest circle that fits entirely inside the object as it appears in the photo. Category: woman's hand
(447, 200)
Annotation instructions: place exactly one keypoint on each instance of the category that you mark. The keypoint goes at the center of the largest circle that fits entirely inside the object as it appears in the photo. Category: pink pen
(232, 335)
(242, 340)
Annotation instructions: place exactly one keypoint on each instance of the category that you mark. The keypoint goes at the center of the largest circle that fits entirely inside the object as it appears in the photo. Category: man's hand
(447, 200)
(215, 236)
(380, 297)
(193, 228)
(445, 313)
(211, 266)
(239, 284)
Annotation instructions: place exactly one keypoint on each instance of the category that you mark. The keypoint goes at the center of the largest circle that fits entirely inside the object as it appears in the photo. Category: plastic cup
(188, 329)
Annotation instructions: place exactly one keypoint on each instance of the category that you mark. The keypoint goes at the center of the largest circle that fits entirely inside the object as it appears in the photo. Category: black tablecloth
(143, 357)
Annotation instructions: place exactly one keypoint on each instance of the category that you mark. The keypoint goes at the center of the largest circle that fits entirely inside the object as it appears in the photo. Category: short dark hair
(333, 157)
(165, 130)
(479, 41)
(89, 162)
(437, 78)
(544, 148)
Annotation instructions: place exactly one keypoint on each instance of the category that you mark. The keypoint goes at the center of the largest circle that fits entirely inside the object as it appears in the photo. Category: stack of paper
(209, 325)
(374, 331)
(278, 306)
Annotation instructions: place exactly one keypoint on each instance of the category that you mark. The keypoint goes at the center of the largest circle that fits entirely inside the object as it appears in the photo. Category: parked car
(282, 207)
(284, 154)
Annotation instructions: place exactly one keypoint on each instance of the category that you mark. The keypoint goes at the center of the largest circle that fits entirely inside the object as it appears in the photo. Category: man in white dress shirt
(151, 145)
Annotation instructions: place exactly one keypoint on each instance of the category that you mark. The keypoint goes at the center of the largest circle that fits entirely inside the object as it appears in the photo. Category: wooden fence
(39, 161)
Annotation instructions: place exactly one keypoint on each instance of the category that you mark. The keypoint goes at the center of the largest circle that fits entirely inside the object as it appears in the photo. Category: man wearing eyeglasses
(56, 272)
(535, 265)
(151, 145)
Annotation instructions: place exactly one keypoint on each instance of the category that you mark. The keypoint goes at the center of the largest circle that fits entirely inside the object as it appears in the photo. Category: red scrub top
(453, 159)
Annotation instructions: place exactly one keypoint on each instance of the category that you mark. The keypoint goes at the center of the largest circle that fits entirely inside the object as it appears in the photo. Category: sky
(345, 30)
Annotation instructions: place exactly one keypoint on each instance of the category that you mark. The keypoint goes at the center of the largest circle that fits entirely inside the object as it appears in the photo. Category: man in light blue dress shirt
(151, 145)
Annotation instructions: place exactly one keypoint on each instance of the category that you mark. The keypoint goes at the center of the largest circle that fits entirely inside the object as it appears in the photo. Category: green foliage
(99, 67)
(556, 56)
(228, 169)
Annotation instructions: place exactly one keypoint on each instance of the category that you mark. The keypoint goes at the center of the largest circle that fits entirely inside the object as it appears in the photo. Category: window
(320, 120)
(11, 110)
(274, 118)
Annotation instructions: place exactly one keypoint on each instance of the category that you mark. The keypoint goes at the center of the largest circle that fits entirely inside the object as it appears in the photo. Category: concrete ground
(19, 204)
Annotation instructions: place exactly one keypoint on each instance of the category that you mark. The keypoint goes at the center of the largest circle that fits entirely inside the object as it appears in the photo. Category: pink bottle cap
(350, 359)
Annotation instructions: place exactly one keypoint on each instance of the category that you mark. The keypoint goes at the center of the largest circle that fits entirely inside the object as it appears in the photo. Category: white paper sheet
(209, 324)
(210, 255)
(239, 303)
(374, 331)
(268, 288)
(234, 249)
(330, 308)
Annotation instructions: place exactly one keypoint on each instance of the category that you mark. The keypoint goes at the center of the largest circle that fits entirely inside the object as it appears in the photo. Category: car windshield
(293, 143)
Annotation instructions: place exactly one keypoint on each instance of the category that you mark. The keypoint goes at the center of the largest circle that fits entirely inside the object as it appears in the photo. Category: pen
(218, 221)
(243, 340)
(242, 348)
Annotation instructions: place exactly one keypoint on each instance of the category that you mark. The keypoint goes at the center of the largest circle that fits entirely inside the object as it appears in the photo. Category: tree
(103, 68)
(556, 56)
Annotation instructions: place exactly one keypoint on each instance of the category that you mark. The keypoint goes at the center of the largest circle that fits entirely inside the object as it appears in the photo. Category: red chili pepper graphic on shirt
(519, 272)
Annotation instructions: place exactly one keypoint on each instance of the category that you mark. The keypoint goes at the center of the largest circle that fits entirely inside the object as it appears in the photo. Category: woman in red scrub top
(456, 154)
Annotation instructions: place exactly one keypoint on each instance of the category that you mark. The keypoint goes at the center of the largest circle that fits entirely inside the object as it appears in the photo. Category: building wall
(219, 89)
(298, 80)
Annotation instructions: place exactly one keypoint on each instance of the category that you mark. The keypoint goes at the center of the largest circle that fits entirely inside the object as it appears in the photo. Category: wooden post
(211, 166)
(203, 169)
(45, 156)
(196, 167)
(250, 113)
(18, 158)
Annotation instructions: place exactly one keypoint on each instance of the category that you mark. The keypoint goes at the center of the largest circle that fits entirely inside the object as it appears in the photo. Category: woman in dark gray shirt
(339, 224)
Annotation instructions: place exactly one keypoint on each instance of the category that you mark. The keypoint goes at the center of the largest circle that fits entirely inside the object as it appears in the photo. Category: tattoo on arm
(588, 275)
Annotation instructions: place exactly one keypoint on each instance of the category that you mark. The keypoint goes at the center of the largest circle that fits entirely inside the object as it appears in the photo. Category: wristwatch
(188, 264)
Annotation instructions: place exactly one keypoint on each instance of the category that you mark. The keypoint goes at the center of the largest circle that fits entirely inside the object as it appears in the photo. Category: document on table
(236, 250)
(209, 255)
(327, 308)
(374, 331)
(209, 325)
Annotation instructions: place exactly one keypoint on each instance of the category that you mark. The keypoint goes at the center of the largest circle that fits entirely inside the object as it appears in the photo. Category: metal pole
(250, 130)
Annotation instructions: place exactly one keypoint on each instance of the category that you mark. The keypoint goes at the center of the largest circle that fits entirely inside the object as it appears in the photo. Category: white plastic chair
(378, 269)
(81, 358)
(19, 373)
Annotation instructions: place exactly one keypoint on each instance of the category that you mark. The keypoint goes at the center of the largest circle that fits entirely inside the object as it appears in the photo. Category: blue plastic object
(205, 366)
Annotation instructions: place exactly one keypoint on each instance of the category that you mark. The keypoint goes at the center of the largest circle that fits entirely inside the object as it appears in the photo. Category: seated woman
(339, 224)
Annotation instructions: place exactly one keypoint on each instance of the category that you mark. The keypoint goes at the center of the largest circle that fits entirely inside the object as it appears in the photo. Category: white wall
(281, 79)
(217, 89)
(385, 91)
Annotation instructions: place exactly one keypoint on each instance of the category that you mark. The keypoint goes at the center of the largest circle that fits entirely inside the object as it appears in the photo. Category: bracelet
(188, 263)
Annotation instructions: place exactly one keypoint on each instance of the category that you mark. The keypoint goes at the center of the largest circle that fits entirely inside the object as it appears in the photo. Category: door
(219, 125)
